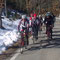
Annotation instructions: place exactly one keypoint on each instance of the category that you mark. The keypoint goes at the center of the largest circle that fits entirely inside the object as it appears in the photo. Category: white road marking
(15, 56)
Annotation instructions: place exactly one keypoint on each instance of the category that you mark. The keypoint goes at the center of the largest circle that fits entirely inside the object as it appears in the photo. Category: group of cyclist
(33, 25)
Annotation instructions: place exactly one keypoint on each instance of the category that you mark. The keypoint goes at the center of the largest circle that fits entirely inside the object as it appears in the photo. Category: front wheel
(21, 50)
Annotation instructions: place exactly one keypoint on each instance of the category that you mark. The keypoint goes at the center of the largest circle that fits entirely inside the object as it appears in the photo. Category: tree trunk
(0, 18)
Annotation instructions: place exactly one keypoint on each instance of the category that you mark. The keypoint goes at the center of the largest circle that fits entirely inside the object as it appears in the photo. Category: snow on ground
(9, 35)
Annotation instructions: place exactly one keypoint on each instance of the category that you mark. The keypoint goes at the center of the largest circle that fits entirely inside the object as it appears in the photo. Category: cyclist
(23, 27)
(35, 26)
(49, 23)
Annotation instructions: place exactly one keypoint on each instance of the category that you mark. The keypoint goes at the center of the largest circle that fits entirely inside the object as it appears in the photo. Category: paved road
(49, 51)
(43, 54)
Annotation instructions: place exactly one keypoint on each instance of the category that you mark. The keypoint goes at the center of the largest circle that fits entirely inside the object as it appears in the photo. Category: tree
(35, 5)
(0, 18)
(1, 7)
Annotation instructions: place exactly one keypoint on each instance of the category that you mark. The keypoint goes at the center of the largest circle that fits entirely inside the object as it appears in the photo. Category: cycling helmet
(23, 16)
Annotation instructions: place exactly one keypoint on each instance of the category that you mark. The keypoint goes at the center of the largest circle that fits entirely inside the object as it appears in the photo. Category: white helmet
(23, 16)
(39, 15)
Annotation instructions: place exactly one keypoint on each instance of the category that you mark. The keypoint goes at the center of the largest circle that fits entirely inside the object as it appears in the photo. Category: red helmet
(35, 15)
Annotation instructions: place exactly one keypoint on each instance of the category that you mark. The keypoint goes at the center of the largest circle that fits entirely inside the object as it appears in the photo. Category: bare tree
(0, 18)
(35, 5)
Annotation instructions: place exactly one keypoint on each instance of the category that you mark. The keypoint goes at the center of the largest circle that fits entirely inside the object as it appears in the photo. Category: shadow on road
(54, 43)
(56, 31)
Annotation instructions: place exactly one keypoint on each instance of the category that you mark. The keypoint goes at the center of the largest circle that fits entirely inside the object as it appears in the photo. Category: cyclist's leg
(37, 34)
(34, 34)
(48, 32)
(33, 31)
(27, 38)
(26, 41)
(51, 33)
(21, 44)
(21, 48)
(41, 26)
